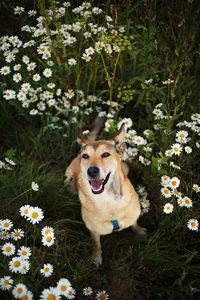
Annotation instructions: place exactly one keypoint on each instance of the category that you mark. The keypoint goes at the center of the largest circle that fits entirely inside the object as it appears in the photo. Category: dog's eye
(105, 154)
(85, 156)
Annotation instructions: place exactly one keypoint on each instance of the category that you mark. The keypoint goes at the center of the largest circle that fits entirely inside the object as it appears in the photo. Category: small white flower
(8, 249)
(188, 149)
(168, 208)
(47, 72)
(196, 188)
(35, 215)
(166, 192)
(193, 224)
(87, 291)
(6, 283)
(35, 186)
(177, 148)
(188, 202)
(19, 290)
(47, 270)
(71, 61)
(63, 286)
(174, 182)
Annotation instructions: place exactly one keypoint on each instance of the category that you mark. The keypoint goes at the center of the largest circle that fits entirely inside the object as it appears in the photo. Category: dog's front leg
(97, 258)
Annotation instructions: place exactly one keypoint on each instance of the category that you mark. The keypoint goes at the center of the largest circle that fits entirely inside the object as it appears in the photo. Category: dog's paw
(140, 230)
(97, 259)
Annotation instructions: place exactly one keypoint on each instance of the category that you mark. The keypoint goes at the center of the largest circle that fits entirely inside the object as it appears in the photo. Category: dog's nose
(93, 172)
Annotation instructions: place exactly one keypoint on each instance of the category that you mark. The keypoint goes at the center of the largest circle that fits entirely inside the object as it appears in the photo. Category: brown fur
(118, 201)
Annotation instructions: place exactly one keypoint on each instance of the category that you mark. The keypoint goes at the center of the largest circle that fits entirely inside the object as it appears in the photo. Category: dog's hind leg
(96, 257)
(140, 230)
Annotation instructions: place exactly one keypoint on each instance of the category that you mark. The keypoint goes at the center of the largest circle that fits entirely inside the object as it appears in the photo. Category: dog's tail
(96, 127)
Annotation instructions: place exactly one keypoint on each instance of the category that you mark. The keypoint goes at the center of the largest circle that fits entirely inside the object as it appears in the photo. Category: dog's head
(99, 159)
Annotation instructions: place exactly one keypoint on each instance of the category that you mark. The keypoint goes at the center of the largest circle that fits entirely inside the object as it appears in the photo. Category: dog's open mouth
(97, 185)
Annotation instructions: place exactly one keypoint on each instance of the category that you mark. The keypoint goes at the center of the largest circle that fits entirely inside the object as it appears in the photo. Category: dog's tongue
(96, 184)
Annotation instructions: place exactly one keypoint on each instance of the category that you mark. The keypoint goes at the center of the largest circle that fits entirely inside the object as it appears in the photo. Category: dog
(108, 200)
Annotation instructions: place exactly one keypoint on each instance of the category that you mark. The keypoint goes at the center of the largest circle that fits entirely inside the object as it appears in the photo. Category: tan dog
(109, 202)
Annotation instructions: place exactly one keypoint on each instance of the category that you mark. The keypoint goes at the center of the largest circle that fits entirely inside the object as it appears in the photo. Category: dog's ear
(118, 139)
(81, 139)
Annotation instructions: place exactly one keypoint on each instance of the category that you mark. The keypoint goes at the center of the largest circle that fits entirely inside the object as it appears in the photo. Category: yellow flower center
(187, 201)
(176, 149)
(24, 252)
(46, 269)
(8, 249)
(6, 224)
(34, 215)
(193, 224)
(6, 282)
(166, 191)
(102, 297)
(24, 297)
(26, 211)
(17, 264)
(174, 183)
(48, 239)
(63, 288)
(17, 233)
(51, 297)
(19, 290)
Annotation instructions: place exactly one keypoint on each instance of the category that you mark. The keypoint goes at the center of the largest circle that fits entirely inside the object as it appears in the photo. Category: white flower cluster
(38, 94)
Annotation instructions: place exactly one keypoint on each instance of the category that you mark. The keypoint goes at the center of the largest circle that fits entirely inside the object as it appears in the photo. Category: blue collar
(115, 225)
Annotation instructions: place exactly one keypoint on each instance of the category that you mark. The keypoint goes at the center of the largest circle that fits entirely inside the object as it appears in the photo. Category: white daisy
(69, 94)
(196, 188)
(19, 290)
(174, 182)
(35, 215)
(28, 296)
(17, 234)
(50, 293)
(5, 70)
(165, 180)
(102, 295)
(6, 224)
(169, 152)
(4, 234)
(33, 112)
(70, 294)
(25, 59)
(24, 210)
(193, 224)
(188, 149)
(168, 208)
(47, 72)
(8, 249)
(63, 286)
(47, 270)
(181, 201)
(25, 266)
(35, 186)
(36, 77)
(188, 202)
(87, 291)
(48, 240)
(177, 148)
(15, 265)
(47, 230)
(71, 61)
(6, 283)
(86, 57)
(24, 252)
(166, 192)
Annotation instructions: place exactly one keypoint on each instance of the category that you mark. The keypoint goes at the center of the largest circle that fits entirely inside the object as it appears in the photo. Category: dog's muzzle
(97, 185)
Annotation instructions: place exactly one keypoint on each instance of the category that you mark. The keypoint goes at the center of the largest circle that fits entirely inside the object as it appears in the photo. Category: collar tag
(115, 225)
